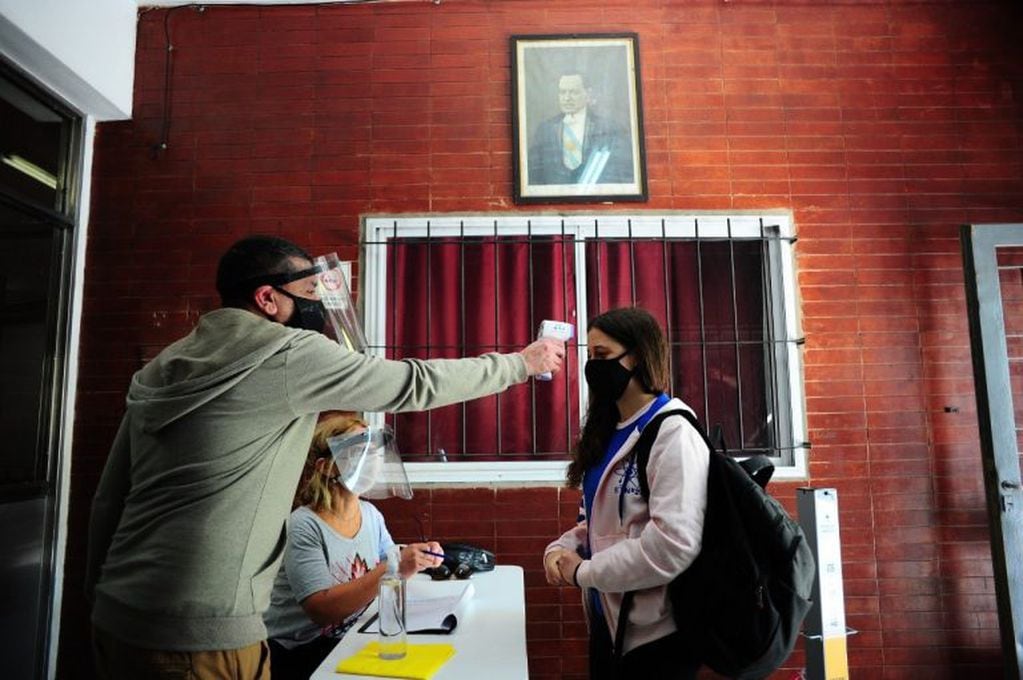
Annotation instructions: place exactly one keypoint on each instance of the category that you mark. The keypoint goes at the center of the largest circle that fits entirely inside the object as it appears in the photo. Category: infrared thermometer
(559, 330)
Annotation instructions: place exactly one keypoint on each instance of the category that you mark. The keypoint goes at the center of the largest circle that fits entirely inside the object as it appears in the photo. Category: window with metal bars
(722, 287)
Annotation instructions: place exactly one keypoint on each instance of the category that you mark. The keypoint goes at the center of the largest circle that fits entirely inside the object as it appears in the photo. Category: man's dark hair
(247, 263)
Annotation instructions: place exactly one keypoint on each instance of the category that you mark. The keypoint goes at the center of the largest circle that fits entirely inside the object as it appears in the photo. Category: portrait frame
(577, 118)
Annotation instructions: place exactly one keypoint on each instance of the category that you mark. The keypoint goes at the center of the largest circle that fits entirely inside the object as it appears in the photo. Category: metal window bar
(564, 317)
(703, 326)
(429, 327)
(532, 325)
(632, 265)
(462, 324)
(735, 328)
(767, 238)
(668, 319)
(497, 329)
(770, 359)
(394, 309)
(596, 237)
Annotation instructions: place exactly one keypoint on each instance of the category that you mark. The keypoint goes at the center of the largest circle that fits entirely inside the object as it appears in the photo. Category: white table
(489, 643)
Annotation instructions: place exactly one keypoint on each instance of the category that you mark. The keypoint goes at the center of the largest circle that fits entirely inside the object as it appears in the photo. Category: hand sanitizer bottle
(393, 640)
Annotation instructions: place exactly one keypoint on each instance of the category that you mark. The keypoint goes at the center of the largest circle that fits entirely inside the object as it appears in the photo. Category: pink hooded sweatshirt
(651, 544)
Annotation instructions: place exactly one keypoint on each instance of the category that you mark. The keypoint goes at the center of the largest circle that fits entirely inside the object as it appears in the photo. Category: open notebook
(432, 607)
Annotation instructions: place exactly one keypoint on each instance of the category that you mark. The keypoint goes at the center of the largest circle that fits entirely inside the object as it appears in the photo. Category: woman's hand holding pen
(418, 556)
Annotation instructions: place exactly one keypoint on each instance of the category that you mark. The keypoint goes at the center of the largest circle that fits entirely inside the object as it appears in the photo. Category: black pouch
(462, 560)
(477, 559)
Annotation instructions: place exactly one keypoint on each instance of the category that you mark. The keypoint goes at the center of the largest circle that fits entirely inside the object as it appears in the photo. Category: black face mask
(607, 378)
(310, 315)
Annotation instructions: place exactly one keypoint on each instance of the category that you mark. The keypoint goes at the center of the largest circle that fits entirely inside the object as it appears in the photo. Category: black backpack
(740, 604)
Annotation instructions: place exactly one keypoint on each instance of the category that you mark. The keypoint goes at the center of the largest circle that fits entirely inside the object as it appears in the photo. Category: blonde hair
(315, 490)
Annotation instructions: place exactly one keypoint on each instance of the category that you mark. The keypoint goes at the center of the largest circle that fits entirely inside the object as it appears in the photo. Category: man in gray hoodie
(188, 523)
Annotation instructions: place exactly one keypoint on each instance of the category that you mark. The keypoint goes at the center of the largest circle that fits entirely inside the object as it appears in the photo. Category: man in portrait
(579, 145)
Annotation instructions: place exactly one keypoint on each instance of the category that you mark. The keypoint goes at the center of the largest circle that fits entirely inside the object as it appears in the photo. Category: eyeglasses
(442, 573)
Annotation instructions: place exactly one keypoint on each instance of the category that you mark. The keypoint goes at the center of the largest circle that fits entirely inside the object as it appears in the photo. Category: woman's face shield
(369, 465)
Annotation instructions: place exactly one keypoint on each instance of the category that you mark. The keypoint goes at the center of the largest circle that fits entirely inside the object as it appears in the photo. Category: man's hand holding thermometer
(545, 355)
(557, 330)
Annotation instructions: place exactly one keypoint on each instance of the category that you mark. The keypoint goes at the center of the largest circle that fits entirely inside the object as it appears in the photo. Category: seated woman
(337, 548)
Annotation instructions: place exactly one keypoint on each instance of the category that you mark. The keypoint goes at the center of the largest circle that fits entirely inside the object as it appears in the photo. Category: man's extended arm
(322, 376)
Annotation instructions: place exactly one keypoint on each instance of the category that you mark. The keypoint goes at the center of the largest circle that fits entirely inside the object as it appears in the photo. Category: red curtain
(454, 297)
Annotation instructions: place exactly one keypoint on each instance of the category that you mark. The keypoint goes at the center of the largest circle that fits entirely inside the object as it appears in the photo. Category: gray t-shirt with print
(316, 558)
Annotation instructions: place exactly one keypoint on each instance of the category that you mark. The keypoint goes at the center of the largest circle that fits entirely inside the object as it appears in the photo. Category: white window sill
(543, 473)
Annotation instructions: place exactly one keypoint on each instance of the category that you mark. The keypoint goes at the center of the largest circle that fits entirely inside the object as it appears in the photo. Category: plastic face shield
(369, 465)
(342, 318)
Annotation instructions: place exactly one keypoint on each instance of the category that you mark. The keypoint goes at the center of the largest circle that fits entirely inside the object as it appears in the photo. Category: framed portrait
(577, 117)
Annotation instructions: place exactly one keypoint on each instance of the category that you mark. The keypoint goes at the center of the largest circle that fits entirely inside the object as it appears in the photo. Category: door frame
(997, 423)
(67, 217)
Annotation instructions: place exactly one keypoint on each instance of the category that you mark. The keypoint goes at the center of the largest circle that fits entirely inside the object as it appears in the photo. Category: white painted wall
(82, 51)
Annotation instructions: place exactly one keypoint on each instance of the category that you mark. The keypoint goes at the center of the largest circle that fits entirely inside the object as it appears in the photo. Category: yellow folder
(420, 662)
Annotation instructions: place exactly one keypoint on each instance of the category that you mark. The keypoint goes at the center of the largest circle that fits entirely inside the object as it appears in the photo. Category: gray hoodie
(188, 523)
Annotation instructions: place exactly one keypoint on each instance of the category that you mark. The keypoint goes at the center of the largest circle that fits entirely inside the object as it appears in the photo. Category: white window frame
(376, 229)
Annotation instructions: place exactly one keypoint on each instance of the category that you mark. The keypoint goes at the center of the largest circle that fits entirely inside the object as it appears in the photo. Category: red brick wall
(881, 125)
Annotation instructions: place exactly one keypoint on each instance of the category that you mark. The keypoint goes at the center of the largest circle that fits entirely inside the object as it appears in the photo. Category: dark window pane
(30, 147)
(749, 290)
(26, 257)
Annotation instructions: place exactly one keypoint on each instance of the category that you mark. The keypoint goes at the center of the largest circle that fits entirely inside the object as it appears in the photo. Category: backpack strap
(623, 619)
(641, 451)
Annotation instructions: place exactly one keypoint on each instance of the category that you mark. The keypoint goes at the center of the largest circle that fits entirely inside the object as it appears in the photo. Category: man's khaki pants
(117, 660)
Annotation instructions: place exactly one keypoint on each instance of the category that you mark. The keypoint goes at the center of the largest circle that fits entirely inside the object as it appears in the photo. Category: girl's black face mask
(607, 378)
(310, 315)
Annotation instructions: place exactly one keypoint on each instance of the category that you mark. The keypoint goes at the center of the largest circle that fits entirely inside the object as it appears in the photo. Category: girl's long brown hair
(638, 331)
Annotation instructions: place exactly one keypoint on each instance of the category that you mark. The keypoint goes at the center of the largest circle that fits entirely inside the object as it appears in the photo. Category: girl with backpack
(622, 543)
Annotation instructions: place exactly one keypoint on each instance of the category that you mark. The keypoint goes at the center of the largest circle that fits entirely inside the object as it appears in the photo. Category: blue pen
(433, 554)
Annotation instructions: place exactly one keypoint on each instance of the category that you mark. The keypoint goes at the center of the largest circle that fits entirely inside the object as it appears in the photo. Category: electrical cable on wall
(161, 144)
(168, 69)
